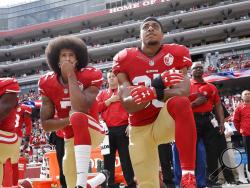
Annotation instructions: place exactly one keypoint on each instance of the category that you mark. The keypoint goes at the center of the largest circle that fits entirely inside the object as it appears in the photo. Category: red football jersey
(141, 69)
(50, 86)
(114, 114)
(213, 99)
(21, 119)
(8, 85)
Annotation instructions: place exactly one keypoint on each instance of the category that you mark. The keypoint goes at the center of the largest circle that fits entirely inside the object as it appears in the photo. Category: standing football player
(159, 109)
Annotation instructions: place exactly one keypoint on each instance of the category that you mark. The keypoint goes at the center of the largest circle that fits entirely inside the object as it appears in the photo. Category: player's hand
(199, 100)
(172, 77)
(67, 68)
(142, 94)
(114, 98)
(222, 128)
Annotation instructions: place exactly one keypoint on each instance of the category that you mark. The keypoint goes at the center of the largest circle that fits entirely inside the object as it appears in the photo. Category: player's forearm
(55, 124)
(77, 97)
(219, 114)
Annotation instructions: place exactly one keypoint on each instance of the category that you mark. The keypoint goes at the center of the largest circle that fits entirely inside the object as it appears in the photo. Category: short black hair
(75, 44)
(152, 19)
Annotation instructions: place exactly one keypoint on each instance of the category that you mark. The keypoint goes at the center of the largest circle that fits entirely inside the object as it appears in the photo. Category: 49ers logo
(168, 59)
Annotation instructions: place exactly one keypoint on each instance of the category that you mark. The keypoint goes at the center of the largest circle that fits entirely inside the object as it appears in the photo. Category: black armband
(159, 86)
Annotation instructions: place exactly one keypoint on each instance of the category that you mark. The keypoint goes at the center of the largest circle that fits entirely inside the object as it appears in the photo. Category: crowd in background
(229, 63)
(224, 63)
(38, 141)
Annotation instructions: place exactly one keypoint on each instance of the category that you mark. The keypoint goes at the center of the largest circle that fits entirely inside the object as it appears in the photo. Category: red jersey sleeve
(101, 101)
(8, 85)
(182, 57)
(59, 133)
(43, 81)
(119, 60)
(90, 77)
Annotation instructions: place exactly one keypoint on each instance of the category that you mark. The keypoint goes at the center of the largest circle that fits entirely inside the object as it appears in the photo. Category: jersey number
(17, 120)
(65, 104)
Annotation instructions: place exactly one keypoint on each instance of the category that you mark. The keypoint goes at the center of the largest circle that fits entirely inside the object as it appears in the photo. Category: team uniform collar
(139, 48)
